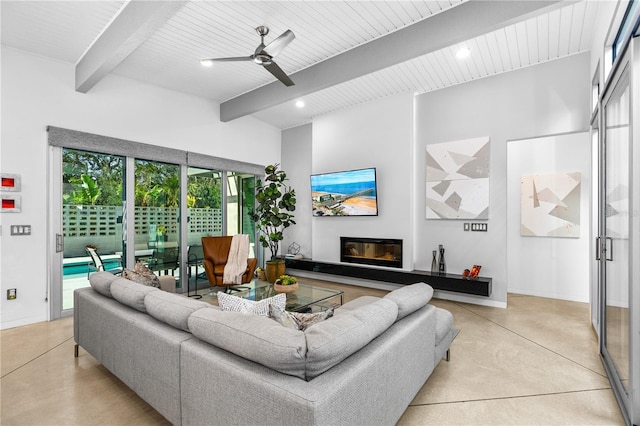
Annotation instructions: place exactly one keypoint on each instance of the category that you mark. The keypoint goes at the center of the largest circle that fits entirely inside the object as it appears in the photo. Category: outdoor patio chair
(97, 264)
(164, 259)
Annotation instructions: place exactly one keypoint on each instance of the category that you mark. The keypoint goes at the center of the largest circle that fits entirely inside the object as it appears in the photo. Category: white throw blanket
(237, 262)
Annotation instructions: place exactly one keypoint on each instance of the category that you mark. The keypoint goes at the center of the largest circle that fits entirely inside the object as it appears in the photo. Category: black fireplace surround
(371, 251)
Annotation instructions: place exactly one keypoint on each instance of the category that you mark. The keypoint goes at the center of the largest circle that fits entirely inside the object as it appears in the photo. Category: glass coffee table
(307, 298)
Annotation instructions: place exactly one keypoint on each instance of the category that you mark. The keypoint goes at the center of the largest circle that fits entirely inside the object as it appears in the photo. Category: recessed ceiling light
(300, 104)
(206, 62)
(463, 52)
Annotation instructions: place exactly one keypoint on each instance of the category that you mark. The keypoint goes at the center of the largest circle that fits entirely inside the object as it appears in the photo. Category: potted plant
(275, 201)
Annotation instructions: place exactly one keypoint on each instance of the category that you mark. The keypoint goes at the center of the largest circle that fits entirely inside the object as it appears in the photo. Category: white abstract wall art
(458, 179)
(550, 205)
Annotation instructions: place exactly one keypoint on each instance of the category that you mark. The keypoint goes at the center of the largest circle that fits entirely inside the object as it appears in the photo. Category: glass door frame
(634, 282)
(627, 66)
(54, 292)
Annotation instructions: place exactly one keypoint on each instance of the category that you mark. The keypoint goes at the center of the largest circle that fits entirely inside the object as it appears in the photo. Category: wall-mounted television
(346, 193)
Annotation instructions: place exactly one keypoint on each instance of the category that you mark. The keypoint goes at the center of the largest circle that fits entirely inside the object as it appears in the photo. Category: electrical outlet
(12, 293)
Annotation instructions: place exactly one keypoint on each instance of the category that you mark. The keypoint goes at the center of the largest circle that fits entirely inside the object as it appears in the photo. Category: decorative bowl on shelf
(285, 284)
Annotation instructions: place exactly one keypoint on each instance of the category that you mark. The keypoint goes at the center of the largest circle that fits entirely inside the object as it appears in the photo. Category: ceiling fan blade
(239, 58)
(276, 46)
(277, 72)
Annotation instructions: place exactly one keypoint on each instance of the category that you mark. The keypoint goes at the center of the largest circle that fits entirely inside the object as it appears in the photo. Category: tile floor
(535, 362)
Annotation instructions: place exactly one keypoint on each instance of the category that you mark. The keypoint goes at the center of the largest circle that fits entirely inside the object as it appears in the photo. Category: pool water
(77, 268)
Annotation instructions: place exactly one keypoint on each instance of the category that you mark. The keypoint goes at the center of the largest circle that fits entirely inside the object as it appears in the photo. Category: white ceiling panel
(564, 39)
(499, 51)
(214, 29)
(542, 33)
(64, 30)
(61, 30)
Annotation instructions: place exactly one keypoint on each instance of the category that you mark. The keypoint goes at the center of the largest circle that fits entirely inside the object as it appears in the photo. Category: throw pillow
(237, 304)
(141, 274)
(298, 320)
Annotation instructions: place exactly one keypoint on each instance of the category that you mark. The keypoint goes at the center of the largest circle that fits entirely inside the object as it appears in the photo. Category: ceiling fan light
(206, 62)
(262, 59)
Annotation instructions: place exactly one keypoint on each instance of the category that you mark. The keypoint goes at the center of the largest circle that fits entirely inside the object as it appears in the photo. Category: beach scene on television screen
(349, 193)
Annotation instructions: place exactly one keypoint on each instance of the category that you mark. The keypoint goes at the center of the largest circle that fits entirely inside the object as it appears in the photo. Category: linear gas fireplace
(371, 251)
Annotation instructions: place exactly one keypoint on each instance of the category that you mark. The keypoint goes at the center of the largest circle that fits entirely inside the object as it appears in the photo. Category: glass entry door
(616, 239)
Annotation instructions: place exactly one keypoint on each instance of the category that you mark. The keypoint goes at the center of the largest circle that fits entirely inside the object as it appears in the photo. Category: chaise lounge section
(197, 364)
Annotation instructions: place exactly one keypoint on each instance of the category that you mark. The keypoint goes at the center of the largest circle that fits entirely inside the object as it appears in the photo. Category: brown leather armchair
(216, 253)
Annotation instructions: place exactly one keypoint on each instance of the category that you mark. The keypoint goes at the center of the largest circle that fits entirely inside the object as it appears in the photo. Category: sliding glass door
(130, 202)
(204, 219)
(157, 217)
(240, 200)
(92, 200)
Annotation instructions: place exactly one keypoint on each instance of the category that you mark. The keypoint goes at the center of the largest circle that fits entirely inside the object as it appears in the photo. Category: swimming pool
(79, 266)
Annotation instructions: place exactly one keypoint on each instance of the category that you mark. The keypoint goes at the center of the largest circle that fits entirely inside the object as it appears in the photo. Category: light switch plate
(20, 229)
(479, 227)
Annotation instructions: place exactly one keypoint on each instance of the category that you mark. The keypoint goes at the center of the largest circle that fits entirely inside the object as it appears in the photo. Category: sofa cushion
(410, 298)
(173, 309)
(101, 282)
(131, 293)
(257, 338)
(356, 304)
(237, 304)
(298, 320)
(331, 341)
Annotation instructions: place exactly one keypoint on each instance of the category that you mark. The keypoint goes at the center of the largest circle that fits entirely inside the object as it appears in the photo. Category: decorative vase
(434, 263)
(285, 288)
(442, 266)
(274, 269)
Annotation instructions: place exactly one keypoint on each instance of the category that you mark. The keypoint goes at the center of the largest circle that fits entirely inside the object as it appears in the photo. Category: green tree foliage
(157, 184)
(97, 179)
(91, 179)
(204, 192)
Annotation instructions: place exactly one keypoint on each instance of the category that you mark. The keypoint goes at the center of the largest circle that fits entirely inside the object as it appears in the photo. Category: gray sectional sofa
(199, 365)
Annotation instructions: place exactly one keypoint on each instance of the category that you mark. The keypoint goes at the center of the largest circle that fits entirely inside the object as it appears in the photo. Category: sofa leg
(447, 356)
(75, 351)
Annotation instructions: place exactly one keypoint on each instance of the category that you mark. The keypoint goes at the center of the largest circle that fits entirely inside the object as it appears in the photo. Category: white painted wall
(541, 266)
(37, 92)
(544, 99)
(296, 162)
(377, 134)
